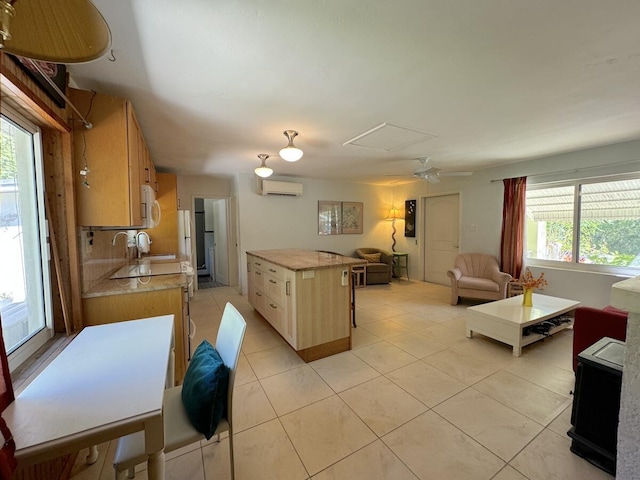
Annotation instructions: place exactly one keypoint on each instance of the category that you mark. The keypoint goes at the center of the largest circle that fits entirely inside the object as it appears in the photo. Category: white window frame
(574, 265)
(31, 346)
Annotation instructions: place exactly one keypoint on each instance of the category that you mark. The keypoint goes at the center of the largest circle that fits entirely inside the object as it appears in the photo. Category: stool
(400, 262)
(359, 275)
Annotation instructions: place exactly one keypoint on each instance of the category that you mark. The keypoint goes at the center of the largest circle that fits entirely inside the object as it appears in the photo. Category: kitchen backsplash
(99, 258)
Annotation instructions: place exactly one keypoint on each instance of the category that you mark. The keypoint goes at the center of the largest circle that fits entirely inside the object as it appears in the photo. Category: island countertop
(299, 259)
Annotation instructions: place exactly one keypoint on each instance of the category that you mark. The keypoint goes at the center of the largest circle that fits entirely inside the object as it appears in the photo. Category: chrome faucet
(143, 245)
(113, 242)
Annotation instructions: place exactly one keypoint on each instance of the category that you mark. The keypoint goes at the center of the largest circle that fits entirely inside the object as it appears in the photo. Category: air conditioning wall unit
(273, 187)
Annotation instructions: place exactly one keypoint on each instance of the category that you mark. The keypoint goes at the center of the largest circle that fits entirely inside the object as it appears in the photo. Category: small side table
(400, 262)
(359, 275)
(514, 288)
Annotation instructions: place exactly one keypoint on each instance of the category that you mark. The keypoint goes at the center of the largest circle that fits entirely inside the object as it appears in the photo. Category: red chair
(592, 324)
(7, 459)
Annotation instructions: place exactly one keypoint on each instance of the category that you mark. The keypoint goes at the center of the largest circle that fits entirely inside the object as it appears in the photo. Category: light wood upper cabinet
(165, 235)
(147, 169)
(114, 151)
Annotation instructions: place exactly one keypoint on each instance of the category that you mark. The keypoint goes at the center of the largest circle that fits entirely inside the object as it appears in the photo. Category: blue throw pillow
(204, 390)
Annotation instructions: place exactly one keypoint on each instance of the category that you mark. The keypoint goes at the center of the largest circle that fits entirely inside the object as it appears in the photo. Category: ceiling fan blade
(433, 179)
(427, 171)
(455, 174)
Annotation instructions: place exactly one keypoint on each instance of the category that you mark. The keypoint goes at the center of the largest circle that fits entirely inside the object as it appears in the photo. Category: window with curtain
(593, 224)
(24, 284)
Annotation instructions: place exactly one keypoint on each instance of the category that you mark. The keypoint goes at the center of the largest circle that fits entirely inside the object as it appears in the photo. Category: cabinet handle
(272, 281)
(258, 263)
(258, 272)
(258, 294)
(272, 270)
(288, 287)
(273, 306)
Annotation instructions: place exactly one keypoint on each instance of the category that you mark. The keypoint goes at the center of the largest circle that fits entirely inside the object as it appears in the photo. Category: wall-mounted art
(57, 73)
(410, 218)
(351, 217)
(329, 217)
(337, 218)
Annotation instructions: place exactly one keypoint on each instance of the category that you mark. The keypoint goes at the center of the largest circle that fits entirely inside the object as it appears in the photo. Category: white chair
(178, 430)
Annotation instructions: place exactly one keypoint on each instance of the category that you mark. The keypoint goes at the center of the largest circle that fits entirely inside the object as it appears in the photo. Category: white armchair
(477, 275)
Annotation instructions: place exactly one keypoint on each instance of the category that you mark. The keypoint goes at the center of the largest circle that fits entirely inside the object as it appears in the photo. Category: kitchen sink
(158, 256)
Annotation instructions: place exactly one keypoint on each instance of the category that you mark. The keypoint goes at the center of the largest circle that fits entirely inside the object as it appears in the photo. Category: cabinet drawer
(258, 280)
(274, 288)
(259, 300)
(275, 271)
(275, 314)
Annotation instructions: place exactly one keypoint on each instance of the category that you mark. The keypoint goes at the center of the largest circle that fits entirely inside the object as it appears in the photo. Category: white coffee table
(504, 320)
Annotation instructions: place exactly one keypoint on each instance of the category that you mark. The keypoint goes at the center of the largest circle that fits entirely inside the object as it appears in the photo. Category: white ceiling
(215, 83)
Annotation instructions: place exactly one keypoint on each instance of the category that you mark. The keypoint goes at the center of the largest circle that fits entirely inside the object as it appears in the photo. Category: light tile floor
(414, 399)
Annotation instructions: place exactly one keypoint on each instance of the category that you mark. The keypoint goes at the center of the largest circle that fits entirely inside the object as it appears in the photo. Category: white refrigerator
(185, 245)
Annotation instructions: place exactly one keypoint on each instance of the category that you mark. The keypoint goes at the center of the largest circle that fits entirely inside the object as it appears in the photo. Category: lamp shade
(291, 153)
(69, 31)
(394, 214)
(263, 171)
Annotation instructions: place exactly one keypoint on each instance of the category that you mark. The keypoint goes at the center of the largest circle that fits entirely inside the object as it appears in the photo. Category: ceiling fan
(432, 174)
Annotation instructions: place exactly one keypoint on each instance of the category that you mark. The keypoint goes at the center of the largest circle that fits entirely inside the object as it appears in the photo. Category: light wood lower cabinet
(310, 309)
(132, 306)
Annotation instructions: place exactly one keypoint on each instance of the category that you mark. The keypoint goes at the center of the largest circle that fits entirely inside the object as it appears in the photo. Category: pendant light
(68, 31)
(263, 171)
(291, 153)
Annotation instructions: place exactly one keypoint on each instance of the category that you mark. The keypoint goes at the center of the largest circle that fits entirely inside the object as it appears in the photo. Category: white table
(504, 320)
(108, 382)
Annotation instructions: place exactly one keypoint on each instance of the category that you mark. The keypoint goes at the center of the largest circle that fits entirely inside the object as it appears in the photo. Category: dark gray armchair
(380, 271)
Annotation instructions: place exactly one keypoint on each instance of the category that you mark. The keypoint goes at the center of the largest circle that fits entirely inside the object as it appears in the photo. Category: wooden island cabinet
(306, 296)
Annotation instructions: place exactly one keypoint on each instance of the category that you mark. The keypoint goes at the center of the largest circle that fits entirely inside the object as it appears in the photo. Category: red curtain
(513, 215)
(7, 459)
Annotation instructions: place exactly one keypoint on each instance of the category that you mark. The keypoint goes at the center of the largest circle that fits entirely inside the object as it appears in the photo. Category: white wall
(274, 222)
(291, 222)
(481, 205)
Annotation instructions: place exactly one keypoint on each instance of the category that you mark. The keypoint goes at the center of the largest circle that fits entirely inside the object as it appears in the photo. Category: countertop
(121, 286)
(141, 284)
(299, 259)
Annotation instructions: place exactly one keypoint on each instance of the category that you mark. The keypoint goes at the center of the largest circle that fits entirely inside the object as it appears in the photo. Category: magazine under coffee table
(505, 320)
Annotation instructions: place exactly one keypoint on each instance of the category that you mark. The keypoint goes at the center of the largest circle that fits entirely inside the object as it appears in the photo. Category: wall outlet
(345, 278)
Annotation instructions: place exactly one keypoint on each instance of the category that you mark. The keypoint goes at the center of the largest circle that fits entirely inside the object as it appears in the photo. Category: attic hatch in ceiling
(388, 137)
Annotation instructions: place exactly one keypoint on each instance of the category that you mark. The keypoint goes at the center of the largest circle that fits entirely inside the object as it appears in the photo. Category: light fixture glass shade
(263, 171)
(69, 31)
(291, 153)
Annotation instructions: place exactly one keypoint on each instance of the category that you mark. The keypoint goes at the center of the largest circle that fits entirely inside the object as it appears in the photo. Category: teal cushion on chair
(204, 390)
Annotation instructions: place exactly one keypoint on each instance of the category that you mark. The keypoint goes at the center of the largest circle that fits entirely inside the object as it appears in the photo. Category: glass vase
(527, 297)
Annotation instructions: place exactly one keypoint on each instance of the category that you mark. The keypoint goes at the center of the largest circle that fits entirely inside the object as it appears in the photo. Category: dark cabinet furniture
(596, 403)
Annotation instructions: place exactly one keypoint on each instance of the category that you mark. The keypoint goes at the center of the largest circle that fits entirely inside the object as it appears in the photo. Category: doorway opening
(211, 242)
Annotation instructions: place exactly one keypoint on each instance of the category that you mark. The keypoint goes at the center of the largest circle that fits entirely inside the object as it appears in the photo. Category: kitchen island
(306, 296)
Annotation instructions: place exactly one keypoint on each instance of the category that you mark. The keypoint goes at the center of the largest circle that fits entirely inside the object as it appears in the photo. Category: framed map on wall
(351, 217)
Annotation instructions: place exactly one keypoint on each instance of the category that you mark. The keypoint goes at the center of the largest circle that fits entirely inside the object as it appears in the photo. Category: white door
(442, 233)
